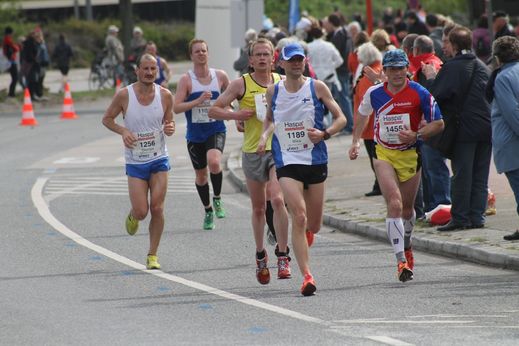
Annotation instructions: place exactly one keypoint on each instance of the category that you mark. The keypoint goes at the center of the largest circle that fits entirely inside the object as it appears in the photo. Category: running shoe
(209, 220)
(262, 272)
(404, 273)
(284, 267)
(218, 208)
(132, 224)
(409, 258)
(271, 236)
(309, 238)
(308, 287)
(152, 262)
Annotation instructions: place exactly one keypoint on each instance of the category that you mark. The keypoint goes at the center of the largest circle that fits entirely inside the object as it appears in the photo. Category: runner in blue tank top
(196, 92)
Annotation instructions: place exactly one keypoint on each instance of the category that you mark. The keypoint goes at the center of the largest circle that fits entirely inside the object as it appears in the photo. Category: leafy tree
(9, 11)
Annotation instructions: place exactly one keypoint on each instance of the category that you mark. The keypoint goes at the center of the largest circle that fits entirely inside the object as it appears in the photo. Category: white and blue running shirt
(293, 114)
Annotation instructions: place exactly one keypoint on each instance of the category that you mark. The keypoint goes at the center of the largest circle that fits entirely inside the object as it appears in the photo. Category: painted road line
(45, 213)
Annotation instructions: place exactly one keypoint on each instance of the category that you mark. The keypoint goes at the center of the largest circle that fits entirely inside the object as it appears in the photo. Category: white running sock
(408, 228)
(395, 233)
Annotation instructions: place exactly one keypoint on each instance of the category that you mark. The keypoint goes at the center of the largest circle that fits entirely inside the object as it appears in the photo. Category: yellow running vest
(253, 127)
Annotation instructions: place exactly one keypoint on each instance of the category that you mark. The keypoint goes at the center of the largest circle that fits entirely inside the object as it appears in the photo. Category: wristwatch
(326, 135)
(419, 136)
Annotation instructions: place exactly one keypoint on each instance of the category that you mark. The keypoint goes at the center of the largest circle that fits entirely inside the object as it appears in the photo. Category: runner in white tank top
(296, 108)
(151, 144)
(148, 116)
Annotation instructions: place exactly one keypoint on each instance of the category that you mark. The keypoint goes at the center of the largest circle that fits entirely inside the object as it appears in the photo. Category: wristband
(326, 135)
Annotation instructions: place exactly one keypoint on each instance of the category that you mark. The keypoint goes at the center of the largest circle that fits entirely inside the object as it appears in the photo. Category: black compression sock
(203, 192)
(216, 181)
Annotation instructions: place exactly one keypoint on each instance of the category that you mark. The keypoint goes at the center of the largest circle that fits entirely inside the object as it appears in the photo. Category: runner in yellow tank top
(254, 98)
(259, 170)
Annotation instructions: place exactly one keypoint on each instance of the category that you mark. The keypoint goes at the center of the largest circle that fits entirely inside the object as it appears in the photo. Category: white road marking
(109, 185)
(388, 341)
(401, 322)
(45, 213)
(77, 160)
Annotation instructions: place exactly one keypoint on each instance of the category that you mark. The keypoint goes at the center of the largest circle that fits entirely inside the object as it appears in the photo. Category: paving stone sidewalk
(348, 210)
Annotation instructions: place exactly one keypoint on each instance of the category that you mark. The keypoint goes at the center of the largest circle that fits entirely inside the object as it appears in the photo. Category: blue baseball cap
(291, 50)
(395, 58)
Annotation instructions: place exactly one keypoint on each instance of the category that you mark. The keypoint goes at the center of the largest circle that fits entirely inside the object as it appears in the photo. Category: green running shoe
(218, 208)
(152, 262)
(132, 224)
(209, 220)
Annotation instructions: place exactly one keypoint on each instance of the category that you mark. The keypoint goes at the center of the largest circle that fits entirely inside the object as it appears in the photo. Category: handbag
(444, 141)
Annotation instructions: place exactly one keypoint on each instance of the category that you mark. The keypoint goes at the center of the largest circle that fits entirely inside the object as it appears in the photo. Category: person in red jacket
(423, 54)
(10, 49)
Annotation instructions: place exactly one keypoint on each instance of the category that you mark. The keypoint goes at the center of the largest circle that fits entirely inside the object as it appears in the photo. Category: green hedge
(87, 38)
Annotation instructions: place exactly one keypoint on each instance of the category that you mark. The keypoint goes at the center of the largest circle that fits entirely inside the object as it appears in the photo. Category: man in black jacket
(462, 94)
(341, 39)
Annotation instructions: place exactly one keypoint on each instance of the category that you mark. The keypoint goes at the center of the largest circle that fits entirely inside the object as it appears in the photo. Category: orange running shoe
(284, 267)
(309, 238)
(262, 272)
(308, 287)
(404, 273)
(409, 258)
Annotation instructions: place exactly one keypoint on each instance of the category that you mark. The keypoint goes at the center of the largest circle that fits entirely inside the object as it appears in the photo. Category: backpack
(481, 49)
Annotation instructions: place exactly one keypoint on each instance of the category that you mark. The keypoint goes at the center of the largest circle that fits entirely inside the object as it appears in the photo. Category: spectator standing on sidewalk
(43, 59)
(30, 68)
(325, 59)
(344, 44)
(10, 51)
(295, 115)
(114, 52)
(370, 56)
(242, 63)
(435, 171)
(459, 89)
(503, 93)
(137, 44)
(61, 57)
(400, 106)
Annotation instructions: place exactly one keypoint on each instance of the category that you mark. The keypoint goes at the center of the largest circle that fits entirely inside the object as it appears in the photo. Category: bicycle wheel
(94, 81)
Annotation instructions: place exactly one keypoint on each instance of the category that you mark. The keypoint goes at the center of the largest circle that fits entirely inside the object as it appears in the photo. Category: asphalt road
(71, 274)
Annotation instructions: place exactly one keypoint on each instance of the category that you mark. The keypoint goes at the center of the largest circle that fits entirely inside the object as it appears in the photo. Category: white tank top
(145, 122)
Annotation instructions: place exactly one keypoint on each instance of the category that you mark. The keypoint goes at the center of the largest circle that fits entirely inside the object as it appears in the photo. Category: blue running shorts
(145, 170)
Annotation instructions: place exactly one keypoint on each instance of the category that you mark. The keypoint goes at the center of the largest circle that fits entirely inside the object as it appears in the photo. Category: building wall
(152, 10)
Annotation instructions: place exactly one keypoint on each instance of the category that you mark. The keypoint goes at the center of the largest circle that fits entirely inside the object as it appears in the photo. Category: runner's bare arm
(167, 105)
(430, 129)
(183, 91)
(167, 72)
(268, 125)
(362, 121)
(118, 106)
(221, 108)
(223, 78)
(339, 120)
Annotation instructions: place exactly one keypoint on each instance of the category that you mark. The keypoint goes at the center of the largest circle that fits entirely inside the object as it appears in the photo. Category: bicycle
(101, 74)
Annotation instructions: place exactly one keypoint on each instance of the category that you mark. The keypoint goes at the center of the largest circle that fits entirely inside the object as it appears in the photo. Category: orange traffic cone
(117, 85)
(28, 118)
(68, 105)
